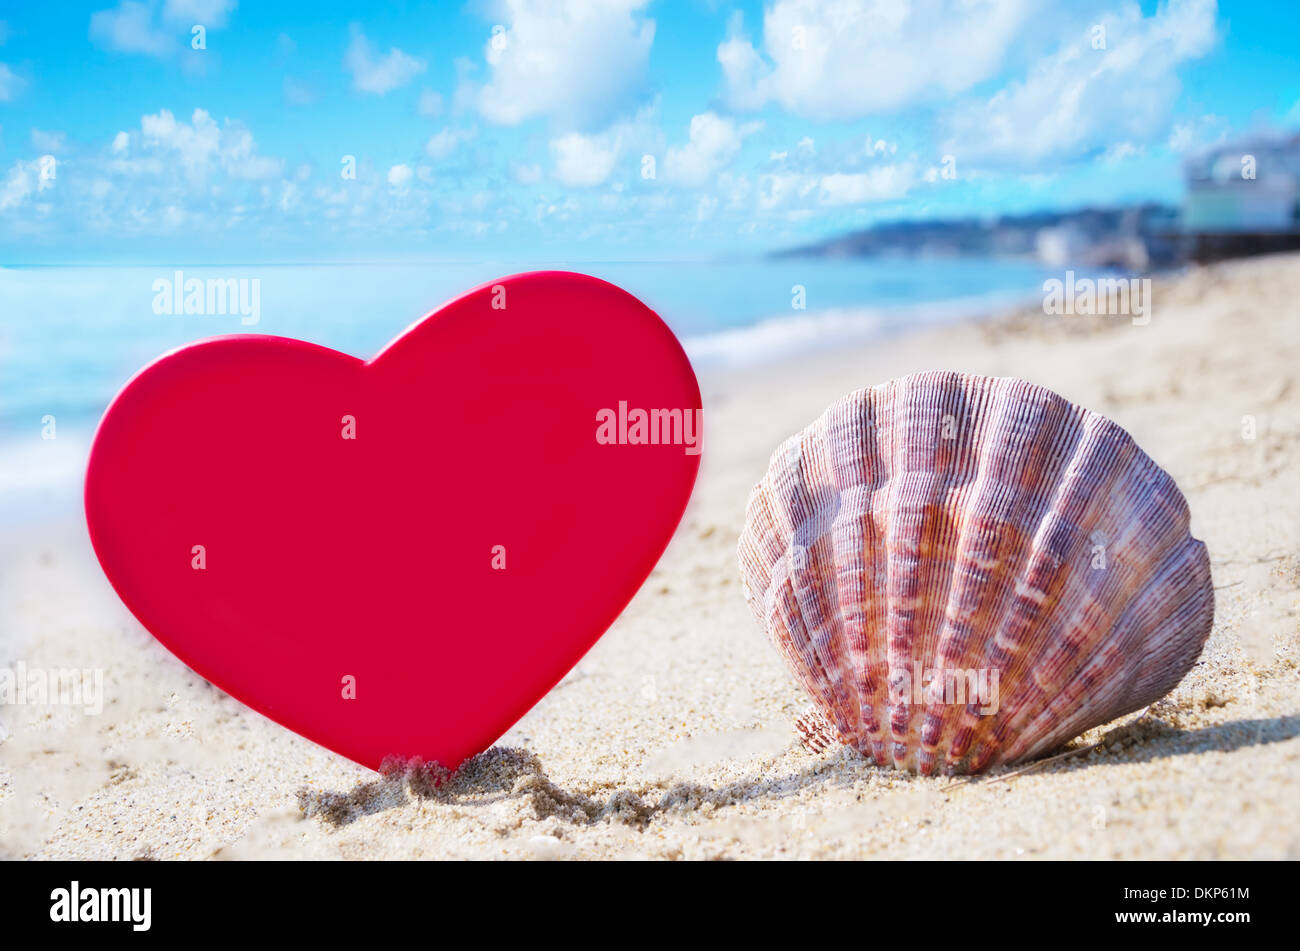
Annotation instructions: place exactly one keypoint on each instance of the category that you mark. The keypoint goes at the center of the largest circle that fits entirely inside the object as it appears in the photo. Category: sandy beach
(674, 738)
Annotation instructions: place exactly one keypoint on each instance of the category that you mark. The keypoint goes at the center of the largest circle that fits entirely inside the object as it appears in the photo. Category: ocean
(70, 337)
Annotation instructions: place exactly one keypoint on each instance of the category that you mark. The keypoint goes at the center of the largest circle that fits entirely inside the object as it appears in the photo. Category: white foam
(777, 337)
(40, 477)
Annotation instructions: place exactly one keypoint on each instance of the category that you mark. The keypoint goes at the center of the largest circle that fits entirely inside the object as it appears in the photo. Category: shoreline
(674, 737)
(775, 340)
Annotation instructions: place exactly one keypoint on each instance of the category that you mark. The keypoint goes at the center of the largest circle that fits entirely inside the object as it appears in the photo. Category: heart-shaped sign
(400, 556)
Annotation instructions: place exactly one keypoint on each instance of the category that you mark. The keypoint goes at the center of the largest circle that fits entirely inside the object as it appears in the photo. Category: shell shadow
(1150, 739)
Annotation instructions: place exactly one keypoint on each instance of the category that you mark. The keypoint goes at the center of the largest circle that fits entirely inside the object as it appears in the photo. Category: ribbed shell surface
(952, 530)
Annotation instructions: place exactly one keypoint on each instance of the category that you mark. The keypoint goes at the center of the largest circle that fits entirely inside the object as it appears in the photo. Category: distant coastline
(1242, 199)
(1138, 238)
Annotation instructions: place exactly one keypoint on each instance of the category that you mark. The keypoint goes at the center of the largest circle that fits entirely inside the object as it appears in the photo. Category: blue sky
(600, 129)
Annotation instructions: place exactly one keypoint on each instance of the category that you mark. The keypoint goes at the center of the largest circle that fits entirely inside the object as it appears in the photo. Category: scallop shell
(965, 572)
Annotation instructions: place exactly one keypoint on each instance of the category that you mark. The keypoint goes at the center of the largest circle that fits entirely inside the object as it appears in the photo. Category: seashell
(965, 572)
(815, 734)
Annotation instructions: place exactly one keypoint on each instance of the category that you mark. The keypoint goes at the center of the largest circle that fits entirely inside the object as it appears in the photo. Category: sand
(673, 738)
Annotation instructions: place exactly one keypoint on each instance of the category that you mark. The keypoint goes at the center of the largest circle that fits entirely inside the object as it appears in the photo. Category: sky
(210, 131)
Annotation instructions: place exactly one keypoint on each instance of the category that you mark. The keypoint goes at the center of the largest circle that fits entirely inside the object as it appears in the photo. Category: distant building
(1249, 188)
(1122, 240)
(1061, 245)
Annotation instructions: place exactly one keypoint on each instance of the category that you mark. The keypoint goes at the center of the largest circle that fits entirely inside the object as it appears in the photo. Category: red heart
(374, 557)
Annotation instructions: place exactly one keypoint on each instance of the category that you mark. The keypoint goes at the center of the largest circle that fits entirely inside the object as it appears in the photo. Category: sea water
(70, 337)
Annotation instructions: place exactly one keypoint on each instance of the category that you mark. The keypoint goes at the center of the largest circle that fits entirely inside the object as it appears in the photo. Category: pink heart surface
(401, 556)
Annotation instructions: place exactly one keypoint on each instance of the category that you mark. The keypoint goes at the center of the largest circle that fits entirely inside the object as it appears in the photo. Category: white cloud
(131, 26)
(579, 62)
(49, 141)
(781, 190)
(1121, 151)
(10, 83)
(879, 147)
(201, 146)
(23, 179)
(714, 142)
(853, 58)
(297, 92)
(16, 187)
(195, 143)
(442, 144)
(1196, 134)
(240, 158)
(430, 104)
(378, 75)
(883, 183)
(213, 14)
(799, 193)
(1079, 101)
(527, 174)
(584, 160)
(206, 178)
